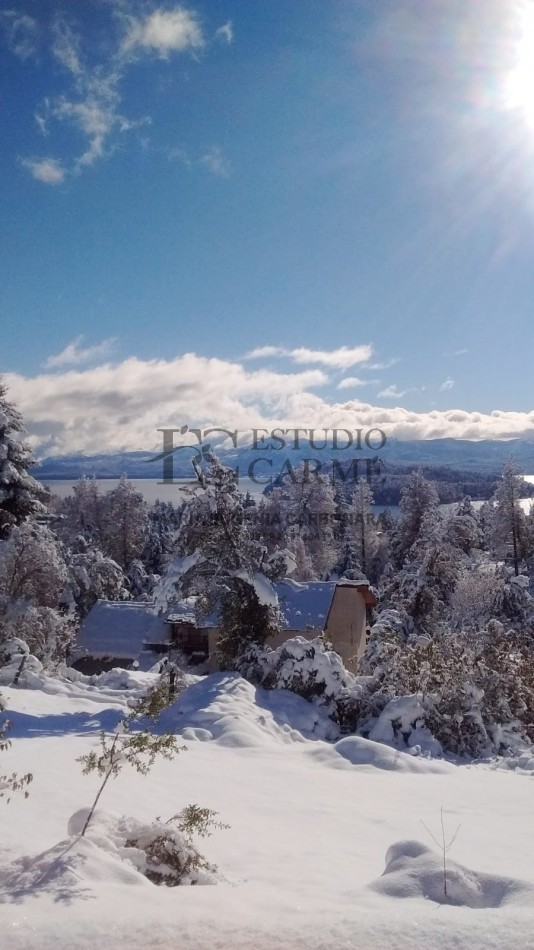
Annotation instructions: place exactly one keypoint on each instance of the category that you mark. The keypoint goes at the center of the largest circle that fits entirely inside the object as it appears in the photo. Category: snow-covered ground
(312, 818)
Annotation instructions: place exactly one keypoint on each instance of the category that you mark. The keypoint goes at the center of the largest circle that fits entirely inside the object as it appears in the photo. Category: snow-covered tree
(83, 513)
(20, 494)
(92, 576)
(227, 568)
(361, 525)
(163, 524)
(140, 583)
(32, 581)
(418, 499)
(472, 603)
(31, 566)
(308, 512)
(126, 528)
(270, 524)
(463, 529)
(514, 604)
(509, 527)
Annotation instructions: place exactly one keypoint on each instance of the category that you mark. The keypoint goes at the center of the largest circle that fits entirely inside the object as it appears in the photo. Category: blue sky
(312, 211)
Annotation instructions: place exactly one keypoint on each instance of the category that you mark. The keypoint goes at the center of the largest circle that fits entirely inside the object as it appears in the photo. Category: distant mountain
(487, 457)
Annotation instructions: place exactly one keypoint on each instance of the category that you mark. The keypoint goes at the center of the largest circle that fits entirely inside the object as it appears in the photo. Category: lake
(154, 490)
(151, 489)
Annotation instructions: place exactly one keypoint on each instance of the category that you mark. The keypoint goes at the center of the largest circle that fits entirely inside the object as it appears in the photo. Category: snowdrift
(107, 856)
(228, 710)
(414, 870)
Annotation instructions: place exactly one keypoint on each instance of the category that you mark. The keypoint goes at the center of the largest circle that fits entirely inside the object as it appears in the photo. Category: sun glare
(519, 90)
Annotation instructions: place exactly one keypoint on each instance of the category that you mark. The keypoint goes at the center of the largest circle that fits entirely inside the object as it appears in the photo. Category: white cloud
(120, 406)
(179, 155)
(113, 407)
(259, 352)
(165, 32)
(66, 46)
(383, 365)
(91, 105)
(342, 358)
(47, 170)
(91, 108)
(447, 384)
(351, 381)
(75, 354)
(96, 119)
(225, 32)
(215, 162)
(391, 392)
(21, 31)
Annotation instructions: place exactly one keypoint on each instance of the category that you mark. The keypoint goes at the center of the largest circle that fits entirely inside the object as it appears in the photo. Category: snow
(521, 580)
(414, 870)
(263, 588)
(360, 751)
(305, 605)
(119, 629)
(302, 865)
(401, 723)
(226, 708)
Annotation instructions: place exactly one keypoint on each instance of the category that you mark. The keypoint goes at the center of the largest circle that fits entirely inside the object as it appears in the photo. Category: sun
(519, 85)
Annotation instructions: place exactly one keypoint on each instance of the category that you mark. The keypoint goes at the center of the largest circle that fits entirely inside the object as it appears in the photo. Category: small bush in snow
(171, 858)
(138, 749)
(162, 851)
(14, 782)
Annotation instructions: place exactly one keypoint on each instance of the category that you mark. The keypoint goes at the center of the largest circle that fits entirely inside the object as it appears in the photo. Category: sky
(301, 212)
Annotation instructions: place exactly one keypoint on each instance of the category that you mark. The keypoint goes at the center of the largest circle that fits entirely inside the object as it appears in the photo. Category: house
(338, 609)
(116, 634)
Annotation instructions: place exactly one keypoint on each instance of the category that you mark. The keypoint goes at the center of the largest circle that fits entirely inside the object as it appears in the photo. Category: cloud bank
(120, 406)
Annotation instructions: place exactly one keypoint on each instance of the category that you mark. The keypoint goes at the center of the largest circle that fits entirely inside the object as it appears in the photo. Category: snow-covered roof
(305, 605)
(119, 629)
(360, 581)
(302, 605)
(185, 610)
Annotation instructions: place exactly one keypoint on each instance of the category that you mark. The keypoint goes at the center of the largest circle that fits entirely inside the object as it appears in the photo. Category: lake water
(153, 490)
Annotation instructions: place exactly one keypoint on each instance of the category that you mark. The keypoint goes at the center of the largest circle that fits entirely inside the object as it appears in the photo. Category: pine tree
(20, 495)
(83, 514)
(463, 529)
(226, 564)
(309, 511)
(163, 524)
(32, 581)
(92, 576)
(419, 497)
(126, 527)
(509, 527)
(361, 524)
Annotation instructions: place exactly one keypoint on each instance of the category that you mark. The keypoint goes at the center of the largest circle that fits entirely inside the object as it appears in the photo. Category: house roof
(305, 605)
(302, 605)
(119, 629)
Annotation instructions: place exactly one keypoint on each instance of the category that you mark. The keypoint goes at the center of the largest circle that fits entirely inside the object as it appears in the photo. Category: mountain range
(487, 456)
